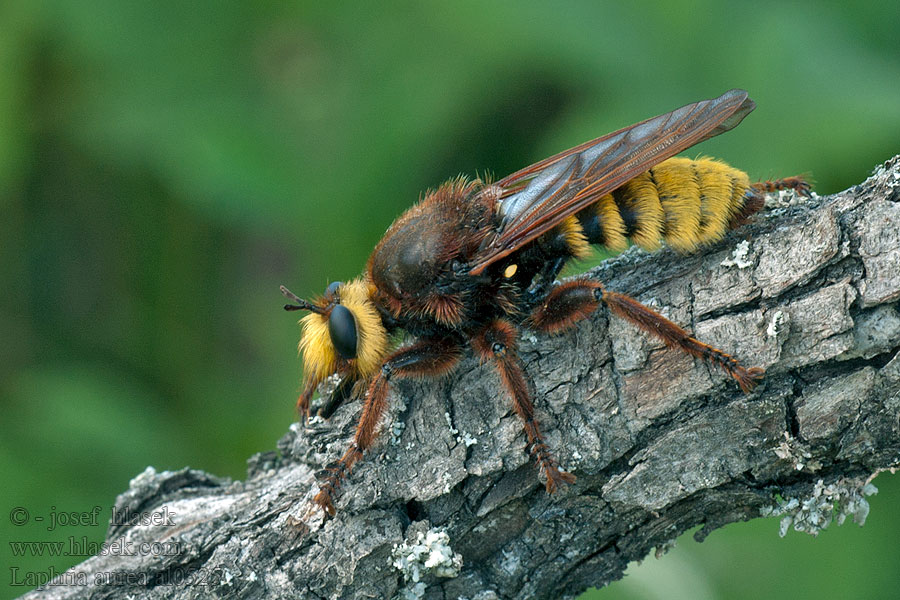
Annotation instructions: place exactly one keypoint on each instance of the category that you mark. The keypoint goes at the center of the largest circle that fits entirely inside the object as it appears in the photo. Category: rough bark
(659, 442)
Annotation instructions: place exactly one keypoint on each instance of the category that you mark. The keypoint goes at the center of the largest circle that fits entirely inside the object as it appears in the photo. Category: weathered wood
(449, 504)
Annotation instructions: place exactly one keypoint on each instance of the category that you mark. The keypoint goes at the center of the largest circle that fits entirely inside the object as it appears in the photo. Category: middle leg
(497, 342)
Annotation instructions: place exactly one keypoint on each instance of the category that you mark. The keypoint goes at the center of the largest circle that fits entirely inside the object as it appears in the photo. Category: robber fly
(474, 262)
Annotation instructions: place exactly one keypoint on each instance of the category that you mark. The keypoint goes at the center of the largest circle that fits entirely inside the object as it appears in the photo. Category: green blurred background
(165, 165)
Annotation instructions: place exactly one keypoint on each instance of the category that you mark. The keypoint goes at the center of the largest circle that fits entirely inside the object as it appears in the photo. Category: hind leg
(576, 300)
(797, 183)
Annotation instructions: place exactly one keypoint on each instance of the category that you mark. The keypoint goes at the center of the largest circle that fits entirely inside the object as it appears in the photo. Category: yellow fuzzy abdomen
(683, 202)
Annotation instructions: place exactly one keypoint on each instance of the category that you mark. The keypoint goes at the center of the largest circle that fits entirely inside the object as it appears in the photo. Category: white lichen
(776, 325)
(511, 562)
(468, 440)
(798, 453)
(397, 428)
(833, 502)
(739, 256)
(482, 595)
(430, 555)
(453, 430)
(461, 437)
(786, 197)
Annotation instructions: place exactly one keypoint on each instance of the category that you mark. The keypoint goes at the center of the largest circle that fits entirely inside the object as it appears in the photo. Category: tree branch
(448, 504)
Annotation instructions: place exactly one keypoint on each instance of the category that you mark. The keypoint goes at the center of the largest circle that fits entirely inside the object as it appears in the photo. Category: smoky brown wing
(539, 197)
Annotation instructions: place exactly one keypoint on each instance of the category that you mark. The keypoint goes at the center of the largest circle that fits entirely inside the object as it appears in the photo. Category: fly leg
(564, 306)
(797, 183)
(575, 300)
(497, 342)
(335, 399)
(755, 197)
(303, 400)
(425, 358)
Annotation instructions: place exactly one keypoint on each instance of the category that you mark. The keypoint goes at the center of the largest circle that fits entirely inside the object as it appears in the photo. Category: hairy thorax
(419, 267)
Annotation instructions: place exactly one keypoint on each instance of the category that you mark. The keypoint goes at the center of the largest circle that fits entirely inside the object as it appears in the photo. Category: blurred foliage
(165, 165)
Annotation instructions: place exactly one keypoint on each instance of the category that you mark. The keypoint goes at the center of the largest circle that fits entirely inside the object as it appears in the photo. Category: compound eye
(332, 289)
(342, 329)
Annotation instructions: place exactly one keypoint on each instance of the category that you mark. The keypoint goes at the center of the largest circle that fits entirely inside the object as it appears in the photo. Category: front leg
(424, 358)
(330, 404)
(497, 342)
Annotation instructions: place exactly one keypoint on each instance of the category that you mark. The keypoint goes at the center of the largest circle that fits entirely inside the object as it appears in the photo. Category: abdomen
(682, 202)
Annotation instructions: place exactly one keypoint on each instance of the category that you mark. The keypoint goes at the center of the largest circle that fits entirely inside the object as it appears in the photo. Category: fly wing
(539, 197)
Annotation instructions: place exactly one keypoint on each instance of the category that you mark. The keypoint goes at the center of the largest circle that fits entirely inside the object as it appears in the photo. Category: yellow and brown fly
(475, 261)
